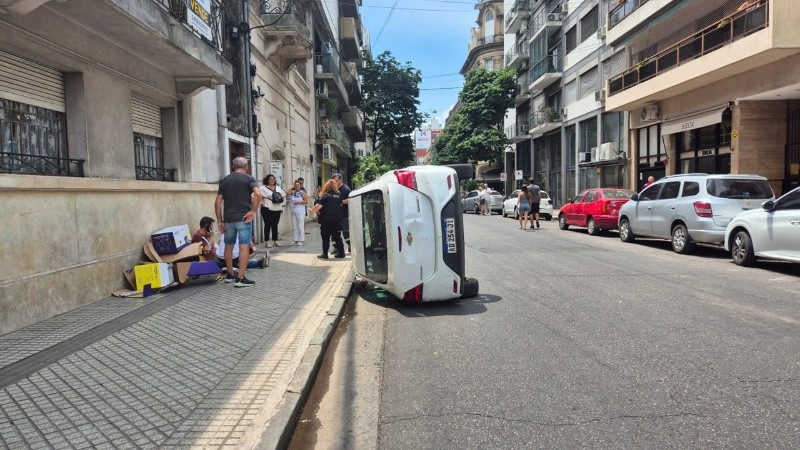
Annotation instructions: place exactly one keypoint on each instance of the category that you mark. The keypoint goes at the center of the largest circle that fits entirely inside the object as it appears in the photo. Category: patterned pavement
(201, 367)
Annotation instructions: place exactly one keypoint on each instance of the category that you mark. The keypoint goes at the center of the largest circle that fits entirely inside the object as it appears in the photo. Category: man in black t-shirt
(344, 192)
(238, 199)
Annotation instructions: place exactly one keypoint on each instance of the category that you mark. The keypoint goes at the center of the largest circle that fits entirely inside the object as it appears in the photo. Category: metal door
(791, 178)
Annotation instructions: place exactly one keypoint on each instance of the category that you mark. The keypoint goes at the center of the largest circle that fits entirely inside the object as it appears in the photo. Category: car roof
(726, 176)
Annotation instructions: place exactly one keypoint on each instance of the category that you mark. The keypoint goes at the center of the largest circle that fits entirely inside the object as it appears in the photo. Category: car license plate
(449, 228)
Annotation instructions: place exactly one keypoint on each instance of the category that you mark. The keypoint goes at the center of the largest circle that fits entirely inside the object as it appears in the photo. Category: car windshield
(374, 222)
(739, 188)
(496, 193)
(617, 193)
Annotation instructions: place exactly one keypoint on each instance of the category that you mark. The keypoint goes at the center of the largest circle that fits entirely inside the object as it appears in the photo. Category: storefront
(701, 143)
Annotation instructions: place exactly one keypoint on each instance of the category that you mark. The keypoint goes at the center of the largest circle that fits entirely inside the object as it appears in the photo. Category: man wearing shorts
(240, 196)
(535, 191)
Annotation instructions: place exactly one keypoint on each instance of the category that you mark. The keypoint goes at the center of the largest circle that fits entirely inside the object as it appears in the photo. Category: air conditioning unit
(524, 65)
(523, 28)
(608, 150)
(595, 153)
(322, 89)
(563, 112)
(584, 157)
(326, 153)
(600, 96)
(524, 127)
(601, 33)
(650, 113)
(564, 9)
(553, 17)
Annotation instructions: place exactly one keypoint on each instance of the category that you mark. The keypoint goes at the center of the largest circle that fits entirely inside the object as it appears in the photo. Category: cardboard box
(188, 253)
(157, 275)
(171, 240)
(197, 272)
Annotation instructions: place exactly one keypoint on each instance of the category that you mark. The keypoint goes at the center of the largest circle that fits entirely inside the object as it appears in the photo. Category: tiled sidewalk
(203, 366)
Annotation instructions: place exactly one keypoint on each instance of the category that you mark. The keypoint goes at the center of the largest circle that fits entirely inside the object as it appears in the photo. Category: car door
(664, 209)
(468, 202)
(572, 214)
(781, 236)
(642, 217)
(510, 202)
(586, 207)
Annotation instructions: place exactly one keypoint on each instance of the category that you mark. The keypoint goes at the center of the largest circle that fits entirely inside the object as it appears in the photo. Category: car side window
(651, 193)
(671, 189)
(594, 196)
(791, 201)
(690, 189)
(472, 194)
(588, 197)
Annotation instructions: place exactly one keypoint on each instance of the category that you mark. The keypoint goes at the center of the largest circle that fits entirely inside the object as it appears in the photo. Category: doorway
(791, 178)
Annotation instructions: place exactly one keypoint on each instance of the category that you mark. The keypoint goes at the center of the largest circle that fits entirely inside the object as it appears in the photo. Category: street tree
(475, 133)
(391, 99)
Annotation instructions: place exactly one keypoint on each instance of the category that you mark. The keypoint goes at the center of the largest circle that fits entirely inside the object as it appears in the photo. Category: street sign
(517, 175)
(502, 176)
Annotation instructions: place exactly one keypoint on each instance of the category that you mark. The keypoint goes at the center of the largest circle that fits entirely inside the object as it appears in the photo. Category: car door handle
(649, 208)
(795, 222)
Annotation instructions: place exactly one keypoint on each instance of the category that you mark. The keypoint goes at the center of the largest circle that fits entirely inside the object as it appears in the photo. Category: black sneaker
(244, 282)
(230, 278)
(537, 224)
(339, 255)
(322, 256)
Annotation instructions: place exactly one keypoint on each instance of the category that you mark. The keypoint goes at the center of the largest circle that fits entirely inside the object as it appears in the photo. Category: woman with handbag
(272, 201)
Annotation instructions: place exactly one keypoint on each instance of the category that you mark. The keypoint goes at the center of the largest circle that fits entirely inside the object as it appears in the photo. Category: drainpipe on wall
(248, 83)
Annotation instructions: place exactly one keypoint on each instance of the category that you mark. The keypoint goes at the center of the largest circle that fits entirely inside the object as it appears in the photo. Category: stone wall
(760, 147)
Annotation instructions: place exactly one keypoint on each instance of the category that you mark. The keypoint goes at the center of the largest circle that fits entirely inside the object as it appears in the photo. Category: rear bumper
(707, 232)
(609, 222)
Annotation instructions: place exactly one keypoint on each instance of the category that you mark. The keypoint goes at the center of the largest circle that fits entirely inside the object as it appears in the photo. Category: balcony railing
(552, 18)
(40, 165)
(519, 5)
(486, 40)
(712, 38)
(623, 9)
(544, 116)
(207, 30)
(154, 173)
(549, 64)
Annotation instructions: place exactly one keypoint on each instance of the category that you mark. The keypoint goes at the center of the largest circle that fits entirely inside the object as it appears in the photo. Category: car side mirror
(635, 197)
(768, 205)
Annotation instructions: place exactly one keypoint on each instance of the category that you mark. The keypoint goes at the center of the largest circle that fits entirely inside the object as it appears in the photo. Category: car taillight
(407, 178)
(606, 208)
(449, 182)
(703, 209)
(414, 294)
(455, 286)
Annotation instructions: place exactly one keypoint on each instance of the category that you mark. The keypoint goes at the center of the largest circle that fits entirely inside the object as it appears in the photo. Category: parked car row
(545, 205)
(471, 202)
(597, 210)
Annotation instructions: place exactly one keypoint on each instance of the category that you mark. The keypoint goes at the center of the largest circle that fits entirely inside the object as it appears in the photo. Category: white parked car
(407, 233)
(545, 206)
(772, 231)
(471, 202)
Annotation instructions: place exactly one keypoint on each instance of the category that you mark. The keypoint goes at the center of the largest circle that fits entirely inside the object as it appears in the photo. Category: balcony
(333, 133)
(623, 9)
(349, 8)
(517, 15)
(516, 56)
(327, 70)
(521, 92)
(544, 120)
(286, 33)
(738, 43)
(545, 22)
(518, 132)
(545, 72)
(479, 46)
(350, 38)
(353, 121)
(349, 73)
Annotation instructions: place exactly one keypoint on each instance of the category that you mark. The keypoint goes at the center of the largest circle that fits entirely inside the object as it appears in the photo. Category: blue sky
(430, 34)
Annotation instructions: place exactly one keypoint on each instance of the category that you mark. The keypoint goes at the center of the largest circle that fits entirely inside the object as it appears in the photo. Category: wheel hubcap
(679, 238)
(623, 230)
(591, 226)
(738, 248)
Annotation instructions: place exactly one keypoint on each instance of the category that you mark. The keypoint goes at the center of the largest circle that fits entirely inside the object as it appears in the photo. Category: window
(690, 189)
(671, 189)
(590, 197)
(739, 188)
(375, 258)
(488, 27)
(590, 82)
(589, 24)
(571, 92)
(149, 157)
(569, 138)
(651, 193)
(571, 38)
(588, 134)
(488, 64)
(579, 197)
(790, 201)
(34, 140)
(612, 129)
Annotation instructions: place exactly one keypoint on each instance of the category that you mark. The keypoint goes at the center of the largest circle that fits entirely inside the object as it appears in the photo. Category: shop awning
(692, 121)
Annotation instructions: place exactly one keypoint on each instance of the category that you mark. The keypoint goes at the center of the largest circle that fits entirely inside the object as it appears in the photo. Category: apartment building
(111, 128)
(711, 86)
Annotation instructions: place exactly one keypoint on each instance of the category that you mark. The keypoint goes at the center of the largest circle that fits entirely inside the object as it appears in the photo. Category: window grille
(149, 151)
(571, 38)
(590, 82)
(589, 24)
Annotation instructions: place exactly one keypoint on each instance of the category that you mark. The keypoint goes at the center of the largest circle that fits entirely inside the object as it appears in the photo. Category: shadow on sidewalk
(461, 307)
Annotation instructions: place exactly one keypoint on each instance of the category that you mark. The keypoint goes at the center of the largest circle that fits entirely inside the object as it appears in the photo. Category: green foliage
(370, 167)
(475, 132)
(391, 98)
(469, 185)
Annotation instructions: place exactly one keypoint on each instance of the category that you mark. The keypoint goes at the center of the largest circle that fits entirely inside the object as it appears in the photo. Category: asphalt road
(575, 341)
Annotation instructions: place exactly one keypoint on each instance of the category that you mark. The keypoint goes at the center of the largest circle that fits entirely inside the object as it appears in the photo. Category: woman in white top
(270, 210)
(298, 199)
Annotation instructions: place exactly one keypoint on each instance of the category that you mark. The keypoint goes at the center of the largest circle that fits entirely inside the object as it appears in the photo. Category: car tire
(625, 232)
(463, 171)
(505, 214)
(681, 242)
(477, 209)
(742, 249)
(516, 213)
(548, 217)
(590, 228)
(470, 288)
(562, 222)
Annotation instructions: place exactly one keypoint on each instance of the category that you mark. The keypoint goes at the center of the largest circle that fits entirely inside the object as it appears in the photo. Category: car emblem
(409, 238)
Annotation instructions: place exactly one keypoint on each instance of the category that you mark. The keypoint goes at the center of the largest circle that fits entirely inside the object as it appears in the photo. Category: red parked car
(596, 209)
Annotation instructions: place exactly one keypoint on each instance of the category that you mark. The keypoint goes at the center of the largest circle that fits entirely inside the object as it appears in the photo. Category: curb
(281, 426)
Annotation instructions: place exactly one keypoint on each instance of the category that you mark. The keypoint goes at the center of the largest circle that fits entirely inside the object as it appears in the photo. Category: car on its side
(471, 202)
(691, 208)
(545, 206)
(408, 233)
(595, 209)
(771, 232)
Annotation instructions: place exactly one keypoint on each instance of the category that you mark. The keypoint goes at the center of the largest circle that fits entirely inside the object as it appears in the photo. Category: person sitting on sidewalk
(252, 263)
(205, 236)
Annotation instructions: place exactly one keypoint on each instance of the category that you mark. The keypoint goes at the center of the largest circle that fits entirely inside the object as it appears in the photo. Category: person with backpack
(273, 199)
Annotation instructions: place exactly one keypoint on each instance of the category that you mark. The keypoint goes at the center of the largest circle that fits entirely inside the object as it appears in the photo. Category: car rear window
(690, 189)
(543, 194)
(373, 215)
(614, 193)
(738, 188)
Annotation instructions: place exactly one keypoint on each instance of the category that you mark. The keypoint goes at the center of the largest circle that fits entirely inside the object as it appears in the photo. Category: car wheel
(505, 214)
(516, 213)
(742, 249)
(590, 227)
(548, 217)
(477, 209)
(681, 242)
(562, 222)
(625, 233)
(470, 288)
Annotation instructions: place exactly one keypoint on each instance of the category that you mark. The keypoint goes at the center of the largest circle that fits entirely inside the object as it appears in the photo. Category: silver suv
(691, 208)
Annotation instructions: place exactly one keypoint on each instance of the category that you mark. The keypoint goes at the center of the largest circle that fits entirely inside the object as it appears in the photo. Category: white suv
(407, 233)
(691, 208)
